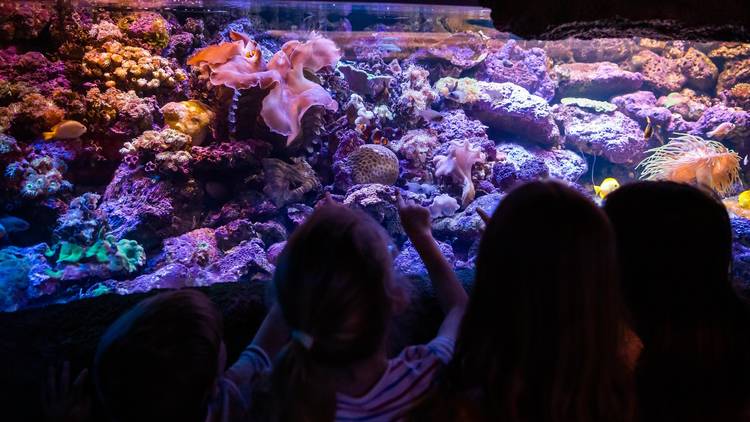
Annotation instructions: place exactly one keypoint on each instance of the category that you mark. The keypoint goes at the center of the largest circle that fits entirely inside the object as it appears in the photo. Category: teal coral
(120, 255)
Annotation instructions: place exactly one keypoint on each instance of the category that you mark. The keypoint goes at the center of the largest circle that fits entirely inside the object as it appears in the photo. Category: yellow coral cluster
(128, 67)
(190, 117)
(463, 90)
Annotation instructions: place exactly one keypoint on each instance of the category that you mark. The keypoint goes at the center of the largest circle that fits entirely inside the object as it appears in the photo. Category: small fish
(649, 129)
(721, 131)
(67, 129)
(430, 115)
(744, 161)
(608, 186)
(13, 224)
(378, 138)
(744, 200)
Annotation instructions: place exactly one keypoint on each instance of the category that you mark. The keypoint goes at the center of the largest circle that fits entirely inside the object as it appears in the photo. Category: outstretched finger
(483, 215)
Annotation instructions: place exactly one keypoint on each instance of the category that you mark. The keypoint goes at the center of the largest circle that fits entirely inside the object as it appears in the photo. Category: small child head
(335, 286)
(160, 360)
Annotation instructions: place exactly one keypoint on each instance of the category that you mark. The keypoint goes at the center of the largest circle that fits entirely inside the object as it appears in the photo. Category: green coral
(120, 255)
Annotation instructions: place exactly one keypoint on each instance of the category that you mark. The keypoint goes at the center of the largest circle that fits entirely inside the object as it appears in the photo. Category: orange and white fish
(721, 131)
(67, 129)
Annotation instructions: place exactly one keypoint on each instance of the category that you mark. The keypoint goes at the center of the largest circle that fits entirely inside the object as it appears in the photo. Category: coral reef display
(164, 148)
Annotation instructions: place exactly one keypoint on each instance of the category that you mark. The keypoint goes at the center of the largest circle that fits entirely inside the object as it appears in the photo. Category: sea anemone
(689, 158)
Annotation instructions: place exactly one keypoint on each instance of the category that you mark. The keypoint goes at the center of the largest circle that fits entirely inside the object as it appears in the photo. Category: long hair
(675, 248)
(160, 360)
(542, 334)
(331, 283)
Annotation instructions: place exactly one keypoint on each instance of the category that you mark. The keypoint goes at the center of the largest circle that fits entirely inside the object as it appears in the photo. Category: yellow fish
(608, 186)
(67, 129)
(744, 200)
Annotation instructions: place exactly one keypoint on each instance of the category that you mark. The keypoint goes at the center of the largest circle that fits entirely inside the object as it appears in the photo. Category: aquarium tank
(164, 144)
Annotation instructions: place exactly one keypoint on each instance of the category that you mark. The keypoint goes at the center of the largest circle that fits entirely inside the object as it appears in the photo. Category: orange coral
(688, 159)
(291, 93)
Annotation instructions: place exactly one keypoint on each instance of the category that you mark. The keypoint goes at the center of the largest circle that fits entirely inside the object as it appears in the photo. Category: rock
(593, 105)
(730, 51)
(379, 201)
(660, 74)
(614, 136)
(526, 68)
(595, 80)
(234, 233)
(466, 225)
(274, 251)
(700, 71)
(463, 50)
(363, 83)
(148, 209)
(455, 125)
(686, 103)
(642, 104)
(170, 276)
(416, 148)
(245, 262)
(716, 115)
(409, 263)
(737, 96)
(525, 163)
(509, 108)
(735, 72)
(196, 248)
(741, 253)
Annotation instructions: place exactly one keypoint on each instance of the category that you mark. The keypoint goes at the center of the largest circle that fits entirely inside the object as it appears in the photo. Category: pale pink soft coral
(238, 65)
(457, 164)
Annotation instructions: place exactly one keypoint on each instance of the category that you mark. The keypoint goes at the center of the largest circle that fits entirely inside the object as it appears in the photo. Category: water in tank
(166, 144)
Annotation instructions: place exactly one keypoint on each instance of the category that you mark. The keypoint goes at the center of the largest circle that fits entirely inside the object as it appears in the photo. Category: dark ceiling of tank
(671, 19)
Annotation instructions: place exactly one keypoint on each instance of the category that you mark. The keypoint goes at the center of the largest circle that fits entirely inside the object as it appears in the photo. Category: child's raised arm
(451, 295)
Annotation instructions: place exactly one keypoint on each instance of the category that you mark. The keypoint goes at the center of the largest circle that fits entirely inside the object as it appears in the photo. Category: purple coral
(525, 68)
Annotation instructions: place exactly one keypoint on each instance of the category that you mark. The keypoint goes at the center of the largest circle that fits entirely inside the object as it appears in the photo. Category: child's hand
(63, 401)
(414, 218)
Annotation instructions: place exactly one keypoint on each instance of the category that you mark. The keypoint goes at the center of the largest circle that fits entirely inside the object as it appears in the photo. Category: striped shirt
(405, 382)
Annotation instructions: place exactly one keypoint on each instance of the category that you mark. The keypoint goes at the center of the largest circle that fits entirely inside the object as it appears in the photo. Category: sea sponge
(239, 65)
(691, 159)
(457, 164)
(373, 164)
(190, 117)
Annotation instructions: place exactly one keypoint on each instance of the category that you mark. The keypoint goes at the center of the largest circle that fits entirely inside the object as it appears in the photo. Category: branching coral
(239, 65)
(129, 67)
(689, 158)
(457, 164)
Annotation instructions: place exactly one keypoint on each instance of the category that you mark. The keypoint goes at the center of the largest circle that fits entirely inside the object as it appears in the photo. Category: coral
(595, 80)
(239, 65)
(364, 83)
(33, 115)
(526, 163)
(466, 226)
(132, 68)
(526, 68)
(147, 27)
(737, 96)
(33, 70)
(688, 158)
(8, 146)
(111, 255)
(416, 148)
(686, 103)
(373, 164)
(717, 115)
(229, 155)
(105, 31)
(416, 94)
(166, 149)
(408, 262)
(593, 105)
(197, 247)
(443, 206)
(23, 20)
(735, 72)
(457, 165)
(22, 276)
(613, 135)
(379, 201)
(119, 113)
(190, 117)
(38, 178)
(462, 49)
(504, 107)
(288, 183)
(82, 223)
(730, 51)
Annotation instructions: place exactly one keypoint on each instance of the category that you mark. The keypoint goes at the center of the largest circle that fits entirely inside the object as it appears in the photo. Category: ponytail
(331, 283)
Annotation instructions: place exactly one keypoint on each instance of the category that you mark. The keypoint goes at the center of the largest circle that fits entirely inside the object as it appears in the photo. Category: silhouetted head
(160, 360)
(335, 286)
(541, 337)
(675, 249)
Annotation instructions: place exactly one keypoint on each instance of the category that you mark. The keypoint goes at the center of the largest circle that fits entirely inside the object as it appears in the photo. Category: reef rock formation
(595, 80)
(526, 68)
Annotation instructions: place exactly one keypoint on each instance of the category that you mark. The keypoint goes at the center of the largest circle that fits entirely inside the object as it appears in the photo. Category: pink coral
(238, 65)
(457, 164)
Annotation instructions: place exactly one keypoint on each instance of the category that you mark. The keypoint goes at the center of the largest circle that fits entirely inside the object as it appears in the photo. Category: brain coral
(373, 164)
